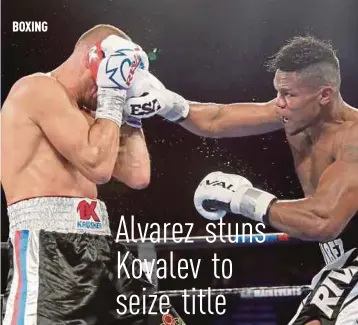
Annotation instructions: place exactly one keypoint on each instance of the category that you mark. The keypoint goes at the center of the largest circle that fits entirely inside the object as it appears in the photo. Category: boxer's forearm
(231, 120)
(202, 118)
(324, 215)
(305, 219)
(132, 166)
(99, 152)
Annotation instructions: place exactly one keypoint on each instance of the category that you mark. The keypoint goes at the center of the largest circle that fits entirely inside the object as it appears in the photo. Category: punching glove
(148, 97)
(113, 63)
(132, 121)
(219, 193)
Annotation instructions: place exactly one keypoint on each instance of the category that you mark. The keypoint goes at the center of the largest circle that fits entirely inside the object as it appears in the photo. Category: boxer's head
(307, 80)
(88, 88)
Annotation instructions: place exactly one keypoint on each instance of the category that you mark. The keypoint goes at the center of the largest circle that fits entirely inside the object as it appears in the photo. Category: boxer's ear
(326, 95)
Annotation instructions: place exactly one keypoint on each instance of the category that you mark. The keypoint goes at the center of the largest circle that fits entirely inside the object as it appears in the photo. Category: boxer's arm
(91, 149)
(133, 163)
(132, 166)
(231, 120)
(324, 215)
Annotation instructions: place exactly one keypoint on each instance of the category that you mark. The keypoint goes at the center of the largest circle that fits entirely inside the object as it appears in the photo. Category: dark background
(207, 51)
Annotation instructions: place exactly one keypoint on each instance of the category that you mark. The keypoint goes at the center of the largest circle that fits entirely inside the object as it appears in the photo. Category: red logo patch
(87, 211)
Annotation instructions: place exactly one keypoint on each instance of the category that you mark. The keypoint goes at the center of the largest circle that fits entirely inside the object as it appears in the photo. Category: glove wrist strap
(110, 103)
(133, 122)
(265, 218)
(179, 111)
(252, 203)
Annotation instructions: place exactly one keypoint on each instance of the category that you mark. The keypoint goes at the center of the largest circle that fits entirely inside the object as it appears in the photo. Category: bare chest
(311, 160)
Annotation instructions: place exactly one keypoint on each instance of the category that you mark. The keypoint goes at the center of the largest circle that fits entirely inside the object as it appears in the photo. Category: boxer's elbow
(139, 184)
(139, 178)
(100, 175)
(135, 178)
(329, 231)
(324, 229)
(97, 171)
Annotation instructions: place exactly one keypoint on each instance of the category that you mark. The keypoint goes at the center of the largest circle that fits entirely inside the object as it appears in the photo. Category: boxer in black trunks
(65, 133)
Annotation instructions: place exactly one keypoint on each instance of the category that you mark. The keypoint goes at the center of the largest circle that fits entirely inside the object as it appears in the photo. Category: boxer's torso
(31, 166)
(311, 159)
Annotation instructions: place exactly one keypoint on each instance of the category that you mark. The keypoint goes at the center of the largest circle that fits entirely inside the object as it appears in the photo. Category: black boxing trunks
(333, 298)
(63, 268)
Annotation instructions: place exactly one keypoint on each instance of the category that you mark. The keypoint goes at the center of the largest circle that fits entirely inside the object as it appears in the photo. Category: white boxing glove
(113, 63)
(148, 97)
(219, 193)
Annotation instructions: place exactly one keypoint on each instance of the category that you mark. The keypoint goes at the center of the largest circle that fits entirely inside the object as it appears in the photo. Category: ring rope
(246, 293)
(196, 242)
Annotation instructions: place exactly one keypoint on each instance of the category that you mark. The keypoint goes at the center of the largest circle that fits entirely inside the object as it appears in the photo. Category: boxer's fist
(132, 121)
(143, 82)
(219, 193)
(113, 63)
(213, 196)
(163, 102)
(148, 97)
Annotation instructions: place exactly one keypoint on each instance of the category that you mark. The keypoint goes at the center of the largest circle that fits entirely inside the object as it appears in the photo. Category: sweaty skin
(50, 147)
(324, 145)
(132, 166)
(232, 120)
(322, 131)
(327, 166)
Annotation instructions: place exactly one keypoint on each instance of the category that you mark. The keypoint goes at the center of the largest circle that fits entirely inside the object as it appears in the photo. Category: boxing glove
(132, 121)
(219, 193)
(113, 63)
(148, 97)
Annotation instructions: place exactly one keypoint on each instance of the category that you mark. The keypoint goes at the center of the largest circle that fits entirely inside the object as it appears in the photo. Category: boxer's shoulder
(37, 91)
(38, 84)
(348, 144)
(351, 134)
(348, 130)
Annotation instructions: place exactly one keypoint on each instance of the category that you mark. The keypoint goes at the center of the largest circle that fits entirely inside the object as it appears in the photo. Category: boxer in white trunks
(65, 133)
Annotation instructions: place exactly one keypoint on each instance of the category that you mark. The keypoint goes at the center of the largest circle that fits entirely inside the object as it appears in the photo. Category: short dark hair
(300, 52)
(308, 55)
(99, 33)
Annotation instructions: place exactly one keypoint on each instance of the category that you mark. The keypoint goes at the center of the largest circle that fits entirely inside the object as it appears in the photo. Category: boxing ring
(148, 250)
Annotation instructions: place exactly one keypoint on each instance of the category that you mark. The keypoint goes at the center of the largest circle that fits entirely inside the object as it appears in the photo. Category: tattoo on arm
(350, 153)
(351, 148)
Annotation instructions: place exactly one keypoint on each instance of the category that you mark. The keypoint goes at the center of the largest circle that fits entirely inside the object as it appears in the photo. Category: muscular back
(31, 166)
